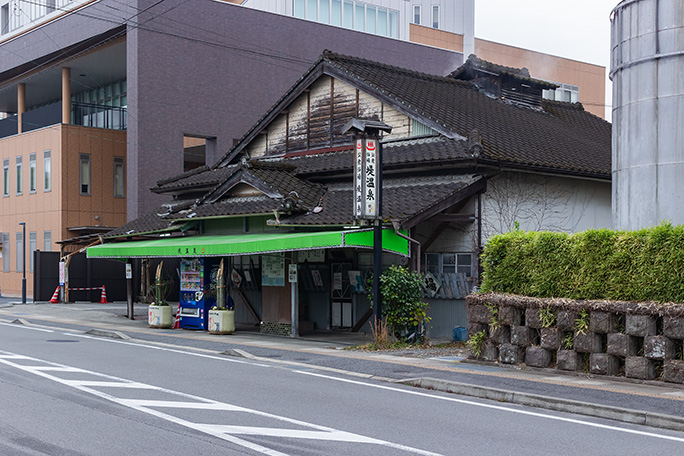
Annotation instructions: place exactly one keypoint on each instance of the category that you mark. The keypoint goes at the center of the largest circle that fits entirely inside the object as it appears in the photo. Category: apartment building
(100, 99)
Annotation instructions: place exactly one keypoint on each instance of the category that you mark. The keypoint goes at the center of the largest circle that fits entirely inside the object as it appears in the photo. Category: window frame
(84, 159)
(19, 260)
(19, 175)
(47, 241)
(5, 178)
(5, 252)
(47, 171)
(33, 246)
(119, 162)
(435, 20)
(33, 174)
(417, 13)
(426, 264)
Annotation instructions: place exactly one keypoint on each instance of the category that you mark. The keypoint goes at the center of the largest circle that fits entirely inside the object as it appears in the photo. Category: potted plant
(222, 316)
(160, 314)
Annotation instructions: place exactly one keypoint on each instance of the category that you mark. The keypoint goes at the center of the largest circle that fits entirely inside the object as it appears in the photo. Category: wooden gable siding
(314, 120)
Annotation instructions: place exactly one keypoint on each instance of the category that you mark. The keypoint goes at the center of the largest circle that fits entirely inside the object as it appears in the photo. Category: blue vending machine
(194, 305)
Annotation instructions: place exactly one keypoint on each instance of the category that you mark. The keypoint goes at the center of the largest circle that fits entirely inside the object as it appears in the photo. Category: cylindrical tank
(647, 70)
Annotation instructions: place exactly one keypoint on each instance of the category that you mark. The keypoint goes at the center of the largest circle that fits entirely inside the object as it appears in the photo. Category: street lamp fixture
(23, 263)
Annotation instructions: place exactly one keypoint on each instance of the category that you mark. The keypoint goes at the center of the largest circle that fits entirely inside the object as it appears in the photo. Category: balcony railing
(100, 116)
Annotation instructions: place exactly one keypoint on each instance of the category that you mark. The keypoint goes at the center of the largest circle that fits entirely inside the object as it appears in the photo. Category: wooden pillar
(21, 104)
(66, 95)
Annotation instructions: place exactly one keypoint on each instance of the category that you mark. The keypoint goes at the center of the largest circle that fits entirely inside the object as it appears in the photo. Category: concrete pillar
(66, 95)
(21, 104)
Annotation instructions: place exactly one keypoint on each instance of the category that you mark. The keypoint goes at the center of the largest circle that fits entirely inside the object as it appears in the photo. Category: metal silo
(647, 70)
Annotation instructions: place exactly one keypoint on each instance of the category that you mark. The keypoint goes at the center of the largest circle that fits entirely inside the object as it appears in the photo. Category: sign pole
(368, 190)
(377, 240)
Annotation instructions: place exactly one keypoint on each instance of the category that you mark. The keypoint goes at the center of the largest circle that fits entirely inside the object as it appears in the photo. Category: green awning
(246, 244)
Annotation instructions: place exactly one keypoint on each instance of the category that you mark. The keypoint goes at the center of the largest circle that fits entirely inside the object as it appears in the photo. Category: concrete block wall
(635, 340)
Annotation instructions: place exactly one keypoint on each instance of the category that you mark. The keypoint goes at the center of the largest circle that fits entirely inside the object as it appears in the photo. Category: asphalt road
(64, 393)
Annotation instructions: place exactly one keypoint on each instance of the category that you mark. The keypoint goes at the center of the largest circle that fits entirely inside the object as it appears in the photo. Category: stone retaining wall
(635, 340)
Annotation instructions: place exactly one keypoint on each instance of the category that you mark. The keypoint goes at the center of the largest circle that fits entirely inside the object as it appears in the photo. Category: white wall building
(389, 18)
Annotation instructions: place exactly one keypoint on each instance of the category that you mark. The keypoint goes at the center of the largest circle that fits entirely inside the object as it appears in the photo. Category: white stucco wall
(539, 202)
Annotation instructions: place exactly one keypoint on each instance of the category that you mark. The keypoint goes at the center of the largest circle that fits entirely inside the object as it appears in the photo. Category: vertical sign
(370, 180)
(292, 273)
(358, 179)
(62, 273)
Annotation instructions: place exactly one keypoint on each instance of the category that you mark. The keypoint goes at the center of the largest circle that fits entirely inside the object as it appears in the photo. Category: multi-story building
(450, 24)
(103, 98)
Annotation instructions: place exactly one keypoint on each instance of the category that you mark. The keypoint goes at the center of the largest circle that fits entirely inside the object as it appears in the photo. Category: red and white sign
(370, 180)
(236, 278)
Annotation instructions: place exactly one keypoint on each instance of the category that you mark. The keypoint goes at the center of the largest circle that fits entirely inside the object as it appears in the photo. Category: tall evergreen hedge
(644, 265)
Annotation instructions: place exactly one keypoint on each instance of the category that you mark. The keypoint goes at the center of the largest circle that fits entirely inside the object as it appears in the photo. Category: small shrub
(475, 343)
(494, 321)
(547, 317)
(582, 322)
(402, 301)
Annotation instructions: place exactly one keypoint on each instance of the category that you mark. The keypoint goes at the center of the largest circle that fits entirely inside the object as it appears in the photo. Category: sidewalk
(651, 403)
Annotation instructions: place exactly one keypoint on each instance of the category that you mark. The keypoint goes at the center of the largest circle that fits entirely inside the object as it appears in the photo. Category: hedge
(644, 265)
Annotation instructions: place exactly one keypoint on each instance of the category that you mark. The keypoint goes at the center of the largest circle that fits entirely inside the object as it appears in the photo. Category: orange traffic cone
(176, 323)
(55, 296)
(103, 296)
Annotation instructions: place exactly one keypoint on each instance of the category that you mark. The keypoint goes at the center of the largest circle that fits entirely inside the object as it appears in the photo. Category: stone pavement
(651, 403)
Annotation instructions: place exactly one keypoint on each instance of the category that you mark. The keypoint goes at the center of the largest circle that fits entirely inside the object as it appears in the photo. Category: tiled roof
(147, 223)
(401, 200)
(202, 176)
(401, 153)
(567, 138)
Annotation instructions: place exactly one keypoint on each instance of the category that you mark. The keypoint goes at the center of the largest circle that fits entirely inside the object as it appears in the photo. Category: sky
(574, 29)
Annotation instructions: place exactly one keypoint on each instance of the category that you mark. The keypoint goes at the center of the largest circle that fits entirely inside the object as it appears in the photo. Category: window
(299, 9)
(348, 15)
(382, 22)
(360, 17)
(5, 252)
(324, 12)
(394, 24)
(438, 263)
(47, 241)
(47, 171)
(312, 10)
(84, 172)
(420, 129)
(435, 16)
(336, 13)
(416, 14)
(33, 246)
(370, 19)
(5, 177)
(565, 92)
(20, 183)
(33, 178)
(119, 178)
(20, 248)
(4, 19)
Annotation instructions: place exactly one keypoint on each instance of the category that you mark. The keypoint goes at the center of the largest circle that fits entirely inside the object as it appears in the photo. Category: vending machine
(194, 283)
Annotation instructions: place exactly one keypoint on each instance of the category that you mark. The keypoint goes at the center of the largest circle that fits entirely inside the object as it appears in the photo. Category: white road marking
(26, 327)
(226, 432)
(497, 407)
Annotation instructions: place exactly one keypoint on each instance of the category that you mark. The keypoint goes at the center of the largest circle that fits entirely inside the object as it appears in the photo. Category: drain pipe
(395, 225)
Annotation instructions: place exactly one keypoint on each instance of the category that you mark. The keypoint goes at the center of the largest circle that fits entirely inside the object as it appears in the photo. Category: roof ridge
(177, 177)
(331, 57)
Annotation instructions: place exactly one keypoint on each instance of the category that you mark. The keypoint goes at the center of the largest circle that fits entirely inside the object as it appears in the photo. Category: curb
(657, 420)
(106, 333)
